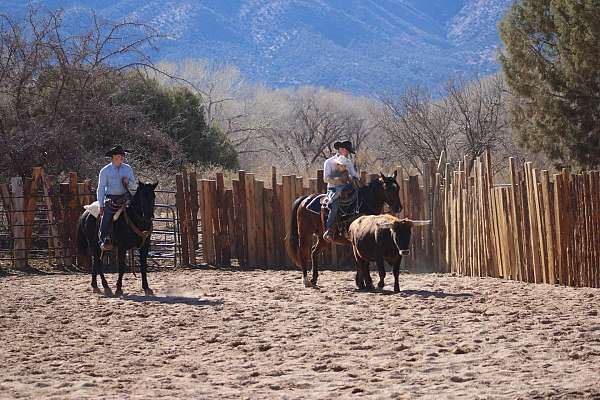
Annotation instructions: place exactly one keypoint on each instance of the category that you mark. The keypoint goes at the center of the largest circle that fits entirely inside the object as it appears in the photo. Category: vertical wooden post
(270, 237)
(72, 214)
(539, 220)
(18, 223)
(251, 220)
(224, 237)
(206, 204)
(516, 217)
(214, 217)
(278, 221)
(287, 207)
(190, 228)
(321, 186)
(194, 208)
(549, 225)
(259, 220)
(242, 220)
(183, 226)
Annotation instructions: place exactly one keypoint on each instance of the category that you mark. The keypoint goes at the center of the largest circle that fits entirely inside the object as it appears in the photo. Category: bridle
(143, 234)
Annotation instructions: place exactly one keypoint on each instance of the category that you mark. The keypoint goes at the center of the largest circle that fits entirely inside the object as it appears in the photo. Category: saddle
(348, 211)
(119, 205)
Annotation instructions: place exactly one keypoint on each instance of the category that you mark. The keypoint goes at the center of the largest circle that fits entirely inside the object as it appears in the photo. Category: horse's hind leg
(121, 266)
(316, 250)
(304, 249)
(99, 268)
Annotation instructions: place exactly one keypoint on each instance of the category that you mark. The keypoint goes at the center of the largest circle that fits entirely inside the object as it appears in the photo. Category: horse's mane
(366, 194)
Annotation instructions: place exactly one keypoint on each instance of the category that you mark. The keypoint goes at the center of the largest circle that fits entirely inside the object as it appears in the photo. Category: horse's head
(389, 191)
(145, 199)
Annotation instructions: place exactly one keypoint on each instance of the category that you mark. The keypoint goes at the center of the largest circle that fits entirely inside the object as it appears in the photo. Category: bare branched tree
(465, 119)
(57, 92)
(418, 128)
(315, 120)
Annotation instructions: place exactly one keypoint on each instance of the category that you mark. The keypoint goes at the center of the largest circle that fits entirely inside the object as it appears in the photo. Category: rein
(142, 234)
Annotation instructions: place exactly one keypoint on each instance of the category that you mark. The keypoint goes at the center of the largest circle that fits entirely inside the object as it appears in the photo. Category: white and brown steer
(380, 238)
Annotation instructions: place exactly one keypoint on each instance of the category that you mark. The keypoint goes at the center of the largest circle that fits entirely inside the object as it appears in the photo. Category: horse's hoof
(307, 283)
(396, 289)
(381, 284)
(119, 293)
(96, 291)
(149, 292)
(108, 292)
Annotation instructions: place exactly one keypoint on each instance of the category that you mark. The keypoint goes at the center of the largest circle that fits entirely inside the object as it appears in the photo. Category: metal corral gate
(38, 222)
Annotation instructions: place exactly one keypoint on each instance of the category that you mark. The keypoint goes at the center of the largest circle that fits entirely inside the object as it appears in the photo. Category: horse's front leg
(95, 261)
(121, 266)
(381, 270)
(143, 265)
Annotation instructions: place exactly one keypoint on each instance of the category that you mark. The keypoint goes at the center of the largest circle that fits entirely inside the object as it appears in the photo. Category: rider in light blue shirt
(113, 185)
(337, 183)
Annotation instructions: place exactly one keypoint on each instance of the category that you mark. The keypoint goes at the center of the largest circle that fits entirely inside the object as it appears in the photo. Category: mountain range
(360, 46)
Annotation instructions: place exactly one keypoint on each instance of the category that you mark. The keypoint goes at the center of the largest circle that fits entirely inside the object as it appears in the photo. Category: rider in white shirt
(338, 173)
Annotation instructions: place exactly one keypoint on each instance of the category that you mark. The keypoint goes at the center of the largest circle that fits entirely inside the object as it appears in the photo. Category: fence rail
(245, 220)
(538, 227)
(38, 221)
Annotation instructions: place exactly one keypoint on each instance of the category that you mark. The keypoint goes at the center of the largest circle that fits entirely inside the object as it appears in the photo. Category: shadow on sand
(419, 293)
(192, 301)
(427, 293)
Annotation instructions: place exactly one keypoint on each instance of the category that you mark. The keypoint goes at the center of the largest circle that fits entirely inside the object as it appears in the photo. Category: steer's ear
(395, 173)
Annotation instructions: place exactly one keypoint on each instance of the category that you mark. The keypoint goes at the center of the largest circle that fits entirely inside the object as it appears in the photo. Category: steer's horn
(420, 223)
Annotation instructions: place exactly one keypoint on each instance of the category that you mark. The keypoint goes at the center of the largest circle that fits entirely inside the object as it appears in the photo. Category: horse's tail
(291, 240)
(82, 242)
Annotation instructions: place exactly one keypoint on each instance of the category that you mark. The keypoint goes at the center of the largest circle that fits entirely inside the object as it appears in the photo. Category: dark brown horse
(306, 223)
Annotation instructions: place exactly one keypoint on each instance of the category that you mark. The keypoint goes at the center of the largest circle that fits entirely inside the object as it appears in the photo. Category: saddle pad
(94, 209)
(315, 204)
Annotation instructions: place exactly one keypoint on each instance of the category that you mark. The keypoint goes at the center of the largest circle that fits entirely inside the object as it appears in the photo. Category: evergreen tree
(552, 66)
(179, 112)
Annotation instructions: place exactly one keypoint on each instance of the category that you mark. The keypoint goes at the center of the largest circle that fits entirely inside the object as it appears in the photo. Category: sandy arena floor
(261, 334)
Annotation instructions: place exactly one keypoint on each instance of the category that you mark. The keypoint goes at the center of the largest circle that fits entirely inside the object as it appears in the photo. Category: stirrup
(328, 236)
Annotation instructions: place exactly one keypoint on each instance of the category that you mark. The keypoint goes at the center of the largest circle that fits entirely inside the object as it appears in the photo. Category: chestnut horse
(305, 223)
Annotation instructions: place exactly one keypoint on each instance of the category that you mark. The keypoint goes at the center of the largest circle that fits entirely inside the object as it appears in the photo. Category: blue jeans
(334, 193)
(107, 216)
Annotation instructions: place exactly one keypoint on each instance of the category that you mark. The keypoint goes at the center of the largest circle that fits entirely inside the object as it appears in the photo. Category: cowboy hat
(344, 145)
(118, 149)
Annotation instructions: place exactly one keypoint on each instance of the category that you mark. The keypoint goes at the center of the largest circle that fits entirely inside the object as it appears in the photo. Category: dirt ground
(261, 334)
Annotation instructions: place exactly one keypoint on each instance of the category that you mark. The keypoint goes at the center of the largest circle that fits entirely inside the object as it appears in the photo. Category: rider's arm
(131, 178)
(328, 172)
(101, 191)
(352, 170)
